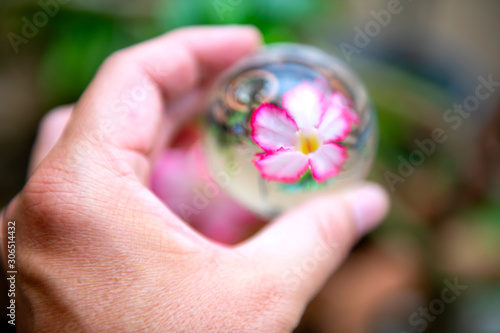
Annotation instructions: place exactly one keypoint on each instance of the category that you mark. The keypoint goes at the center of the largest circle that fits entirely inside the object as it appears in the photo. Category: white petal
(304, 104)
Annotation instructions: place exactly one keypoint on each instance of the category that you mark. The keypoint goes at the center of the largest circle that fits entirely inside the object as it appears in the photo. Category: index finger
(123, 106)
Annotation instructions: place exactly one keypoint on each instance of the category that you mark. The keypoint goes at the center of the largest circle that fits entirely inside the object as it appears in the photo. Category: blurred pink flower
(180, 179)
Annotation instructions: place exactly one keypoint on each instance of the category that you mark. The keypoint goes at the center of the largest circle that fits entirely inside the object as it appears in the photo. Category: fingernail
(370, 204)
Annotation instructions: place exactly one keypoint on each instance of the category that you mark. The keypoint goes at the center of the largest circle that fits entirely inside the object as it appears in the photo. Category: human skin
(97, 251)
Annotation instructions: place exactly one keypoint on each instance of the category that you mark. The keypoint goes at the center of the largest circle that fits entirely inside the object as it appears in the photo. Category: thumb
(303, 247)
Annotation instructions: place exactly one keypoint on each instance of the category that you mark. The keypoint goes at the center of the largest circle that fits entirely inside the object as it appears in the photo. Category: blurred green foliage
(81, 37)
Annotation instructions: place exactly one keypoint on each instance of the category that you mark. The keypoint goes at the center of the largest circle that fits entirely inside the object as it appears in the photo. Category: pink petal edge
(336, 167)
(345, 117)
(339, 99)
(290, 178)
(255, 126)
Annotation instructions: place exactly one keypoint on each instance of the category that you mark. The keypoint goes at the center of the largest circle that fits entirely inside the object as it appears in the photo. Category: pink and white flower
(302, 135)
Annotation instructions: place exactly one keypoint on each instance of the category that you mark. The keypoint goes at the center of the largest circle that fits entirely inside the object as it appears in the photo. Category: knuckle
(46, 206)
(118, 62)
(47, 189)
(55, 116)
(53, 122)
(117, 58)
(184, 68)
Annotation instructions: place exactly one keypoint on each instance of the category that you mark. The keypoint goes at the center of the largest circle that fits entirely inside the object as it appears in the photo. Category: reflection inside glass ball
(288, 123)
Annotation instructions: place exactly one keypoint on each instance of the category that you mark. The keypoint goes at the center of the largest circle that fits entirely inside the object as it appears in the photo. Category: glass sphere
(288, 123)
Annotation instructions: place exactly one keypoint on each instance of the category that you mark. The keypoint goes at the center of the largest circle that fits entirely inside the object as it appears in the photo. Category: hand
(97, 251)
(221, 219)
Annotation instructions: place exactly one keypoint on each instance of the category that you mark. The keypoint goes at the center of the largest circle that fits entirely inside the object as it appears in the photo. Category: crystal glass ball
(285, 124)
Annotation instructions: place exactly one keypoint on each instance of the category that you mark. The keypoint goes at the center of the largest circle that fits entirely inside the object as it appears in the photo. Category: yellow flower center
(308, 142)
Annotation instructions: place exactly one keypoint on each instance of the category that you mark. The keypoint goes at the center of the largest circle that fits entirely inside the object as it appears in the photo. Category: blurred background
(434, 266)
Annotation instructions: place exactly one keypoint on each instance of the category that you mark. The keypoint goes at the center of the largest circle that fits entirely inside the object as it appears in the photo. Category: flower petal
(340, 100)
(327, 161)
(304, 104)
(335, 122)
(285, 166)
(272, 128)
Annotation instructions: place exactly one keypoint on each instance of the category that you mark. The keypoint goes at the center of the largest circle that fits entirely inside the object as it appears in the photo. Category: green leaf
(306, 183)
